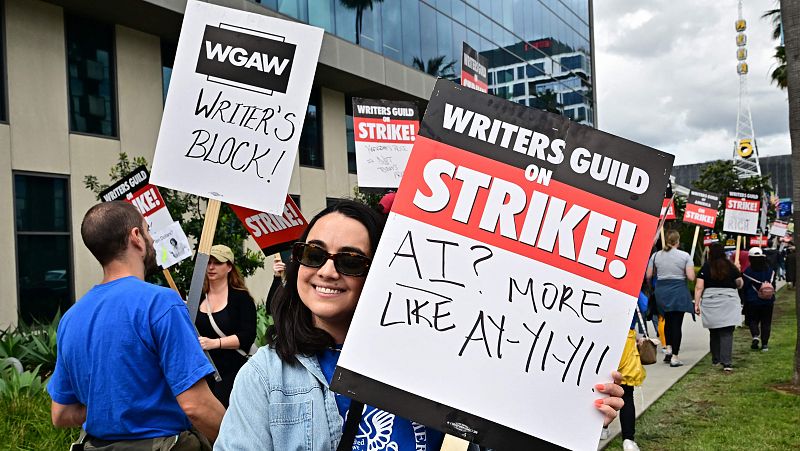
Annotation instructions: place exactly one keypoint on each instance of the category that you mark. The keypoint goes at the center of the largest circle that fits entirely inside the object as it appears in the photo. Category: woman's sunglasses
(346, 263)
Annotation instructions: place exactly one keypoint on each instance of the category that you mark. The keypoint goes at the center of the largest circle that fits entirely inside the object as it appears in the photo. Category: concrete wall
(37, 137)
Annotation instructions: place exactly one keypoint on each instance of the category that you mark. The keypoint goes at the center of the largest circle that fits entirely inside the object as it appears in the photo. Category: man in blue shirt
(129, 366)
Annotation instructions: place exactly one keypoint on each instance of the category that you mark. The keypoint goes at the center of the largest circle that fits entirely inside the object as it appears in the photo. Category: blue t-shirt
(125, 350)
(379, 430)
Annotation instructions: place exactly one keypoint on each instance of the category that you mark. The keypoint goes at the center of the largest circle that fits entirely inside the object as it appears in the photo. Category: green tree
(548, 101)
(720, 177)
(778, 75)
(189, 211)
(790, 13)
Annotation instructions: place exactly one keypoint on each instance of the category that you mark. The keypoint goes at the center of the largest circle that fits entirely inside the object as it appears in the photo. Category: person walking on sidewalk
(717, 302)
(633, 375)
(673, 267)
(758, 304)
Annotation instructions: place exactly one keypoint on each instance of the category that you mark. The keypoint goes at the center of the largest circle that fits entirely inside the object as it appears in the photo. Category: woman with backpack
(672, 267)
(716, 300)
(759, 292)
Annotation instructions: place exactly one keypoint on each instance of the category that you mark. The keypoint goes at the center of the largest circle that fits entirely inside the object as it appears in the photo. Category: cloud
(666, 77)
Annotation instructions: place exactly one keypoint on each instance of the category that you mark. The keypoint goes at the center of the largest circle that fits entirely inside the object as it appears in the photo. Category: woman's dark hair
(718, 263)
(293, 331)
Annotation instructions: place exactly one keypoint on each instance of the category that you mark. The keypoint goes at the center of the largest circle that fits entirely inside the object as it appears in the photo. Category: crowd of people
(726, 288)
(132, 370)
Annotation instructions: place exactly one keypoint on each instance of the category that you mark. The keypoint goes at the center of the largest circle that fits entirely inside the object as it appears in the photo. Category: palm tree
(548, 101)
(436, 66)
(359, 6)
(779, 74)
(790, 13)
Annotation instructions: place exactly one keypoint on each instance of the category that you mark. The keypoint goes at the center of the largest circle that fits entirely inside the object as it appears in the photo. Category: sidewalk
(660, 376)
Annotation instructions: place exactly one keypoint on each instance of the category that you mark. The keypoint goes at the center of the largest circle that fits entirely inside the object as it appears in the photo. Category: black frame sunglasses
(345, 263)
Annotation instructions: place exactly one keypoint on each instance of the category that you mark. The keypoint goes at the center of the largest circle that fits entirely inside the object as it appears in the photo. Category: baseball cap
(222, 253)
(755, 252)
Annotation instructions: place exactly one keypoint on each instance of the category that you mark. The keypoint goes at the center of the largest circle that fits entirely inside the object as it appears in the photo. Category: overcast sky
(666, 76)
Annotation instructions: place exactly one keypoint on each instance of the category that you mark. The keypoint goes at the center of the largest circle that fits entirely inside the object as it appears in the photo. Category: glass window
(485, 27)
(371, 37)
(427, 26)
(504, 76)
(3, 87)
(572, 98)
(167, 61)
(443, 6)
(473, 20)
(520, 72)
(294, 8)
(345, 21)
(519, 89)
(321, 15)
(310, 147)
(459, 37)
(572, 62)
(534, 70)
(444, 39)
(459, 11)
(90, 68)
(502, 92)
(44, 263)
(350, 135)
(411, 35)
(392, 31)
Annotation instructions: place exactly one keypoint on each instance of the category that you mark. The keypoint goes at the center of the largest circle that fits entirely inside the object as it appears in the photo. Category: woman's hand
(697, 308)
(209, 343)
(611, 405)
(278, 267)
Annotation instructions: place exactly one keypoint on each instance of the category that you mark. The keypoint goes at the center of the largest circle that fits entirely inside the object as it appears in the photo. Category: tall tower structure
(745, 149)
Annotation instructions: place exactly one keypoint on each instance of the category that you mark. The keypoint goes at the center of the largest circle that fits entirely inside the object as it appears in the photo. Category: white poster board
(171, 245)
(506, 278)
(779, 228)
(384, 132)
(742, 212)
(236, 106)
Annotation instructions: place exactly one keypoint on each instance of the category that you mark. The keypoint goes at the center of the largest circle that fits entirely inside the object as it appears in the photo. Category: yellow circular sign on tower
(745, 148)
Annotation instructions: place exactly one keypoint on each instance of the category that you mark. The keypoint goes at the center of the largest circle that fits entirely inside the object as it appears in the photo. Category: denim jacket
(278, 406)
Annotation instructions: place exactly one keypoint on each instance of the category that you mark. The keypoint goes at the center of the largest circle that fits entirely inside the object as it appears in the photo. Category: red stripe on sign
(702, 216)
(732, 203)
(471, 81)
(557, 224)
(271, 230)
(147, 200)
(379, 131)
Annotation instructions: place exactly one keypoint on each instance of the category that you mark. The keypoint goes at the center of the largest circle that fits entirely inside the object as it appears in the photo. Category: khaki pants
(185, 441)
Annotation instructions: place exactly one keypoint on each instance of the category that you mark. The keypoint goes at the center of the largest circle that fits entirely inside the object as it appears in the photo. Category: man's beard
(150, 265)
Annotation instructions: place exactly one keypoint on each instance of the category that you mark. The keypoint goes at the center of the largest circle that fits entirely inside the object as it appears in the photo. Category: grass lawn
(711, 410)
(25, 425)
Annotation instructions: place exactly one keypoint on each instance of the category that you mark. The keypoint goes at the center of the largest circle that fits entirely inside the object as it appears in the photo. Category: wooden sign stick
(663, 240)
(738, 246)
(200, 265)
(694, 241)
(170, 280)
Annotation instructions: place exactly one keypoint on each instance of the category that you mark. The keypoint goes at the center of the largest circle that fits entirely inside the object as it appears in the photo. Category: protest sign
(273, 233)
(236, 106)
(668, 209)
(710, 238)
(384, 132)
(171, 245)
(507, 275)
(759, 241)
(701, 208)
(136, 189)
(778, 228)
(741, 213)
(474, 69)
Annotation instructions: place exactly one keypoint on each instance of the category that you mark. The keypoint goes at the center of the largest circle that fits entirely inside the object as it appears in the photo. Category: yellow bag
(633, 373)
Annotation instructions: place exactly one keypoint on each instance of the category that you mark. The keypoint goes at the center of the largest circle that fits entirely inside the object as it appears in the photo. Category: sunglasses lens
(352, 265)
(310, 255)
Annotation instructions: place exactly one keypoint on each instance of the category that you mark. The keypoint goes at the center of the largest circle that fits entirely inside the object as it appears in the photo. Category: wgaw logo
(246, 59)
